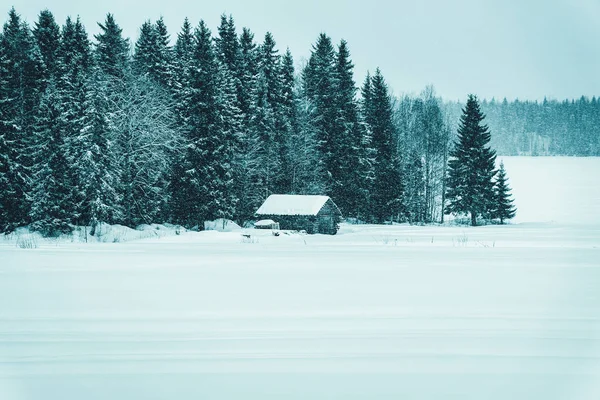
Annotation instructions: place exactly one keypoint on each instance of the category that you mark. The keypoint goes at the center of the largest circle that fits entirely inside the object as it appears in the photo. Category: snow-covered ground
(497, 312)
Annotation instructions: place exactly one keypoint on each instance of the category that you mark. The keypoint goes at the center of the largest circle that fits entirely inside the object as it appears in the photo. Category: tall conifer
(503, 208)
(471, 169)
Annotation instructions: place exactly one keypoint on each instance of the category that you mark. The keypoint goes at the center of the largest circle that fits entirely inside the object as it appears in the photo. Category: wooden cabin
(313, 214)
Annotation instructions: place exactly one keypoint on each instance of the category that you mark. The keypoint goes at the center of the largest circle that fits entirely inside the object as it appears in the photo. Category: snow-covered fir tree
(47, 35)
(386, 202)
(288, 113)
(353, 152)
(112, 49)
(153, 54)
(97, 172)
(204, 188)
(22, 84)
(503, 208)
(209, 127)
(471, 168)
(51, 186)
(319, 80)
(267, 120)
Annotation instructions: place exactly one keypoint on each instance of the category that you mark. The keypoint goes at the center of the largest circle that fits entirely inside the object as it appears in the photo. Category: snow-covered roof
(285, 204)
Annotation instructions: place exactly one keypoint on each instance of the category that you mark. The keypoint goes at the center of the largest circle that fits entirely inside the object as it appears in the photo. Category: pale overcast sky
(497, 48)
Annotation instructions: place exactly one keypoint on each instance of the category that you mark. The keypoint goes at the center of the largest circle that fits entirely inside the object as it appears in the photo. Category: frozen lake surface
(401, 312)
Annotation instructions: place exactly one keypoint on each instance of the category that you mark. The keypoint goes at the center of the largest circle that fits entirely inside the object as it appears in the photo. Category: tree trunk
(473, 218)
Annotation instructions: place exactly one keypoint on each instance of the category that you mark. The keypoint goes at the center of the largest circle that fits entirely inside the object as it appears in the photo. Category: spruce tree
(203, 183)
(153, 54)
(263, 126)
(307, 170)
(230, 133)
(51, 189)
(47, 35)
(112, 50)
(23, 82)
(247, 164)
(320, 86)
(180, 182)
(352, 152)
(164, 67)
(503, 203)
(182, 66)
(74, 53)
(471, 169)
(289, 118)
(387, 189)
(247, 73)
(101, 170)
(266, 121)
(10, 194)
(74, 64)
(145, 57)
(227, 45)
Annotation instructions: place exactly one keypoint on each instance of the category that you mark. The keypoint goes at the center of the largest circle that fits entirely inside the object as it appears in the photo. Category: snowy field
(401, 312)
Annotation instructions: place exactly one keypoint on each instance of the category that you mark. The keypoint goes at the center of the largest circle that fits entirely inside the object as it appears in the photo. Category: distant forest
(208, 125)
(547, 128)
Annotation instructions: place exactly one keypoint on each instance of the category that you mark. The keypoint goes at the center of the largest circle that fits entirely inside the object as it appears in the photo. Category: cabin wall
(329, 219)
(311, 224)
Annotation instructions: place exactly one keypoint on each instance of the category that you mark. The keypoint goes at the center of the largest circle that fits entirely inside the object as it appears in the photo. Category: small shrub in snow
(27, 242)
(221, 225)
(247, 238)
(461, 241)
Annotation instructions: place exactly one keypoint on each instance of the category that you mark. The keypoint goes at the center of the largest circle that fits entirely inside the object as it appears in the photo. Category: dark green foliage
(51, 188)
(503, 208)
(7, 149)
(97, 172)
(471, 168)
(73, 68)
(267, 122)
(289, 119)
(74, 55)
(47, 35)
(227, 44)
(319, 80)
(112, 50)
(203, 190)
(22, 82)
(203, 130)
(247, 73)
(387, 189)
(153, 55)
(247, 162)
(352, 154)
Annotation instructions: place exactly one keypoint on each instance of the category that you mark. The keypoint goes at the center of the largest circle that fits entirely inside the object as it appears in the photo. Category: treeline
(204, 129)
(547, 128)
(205, 126)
